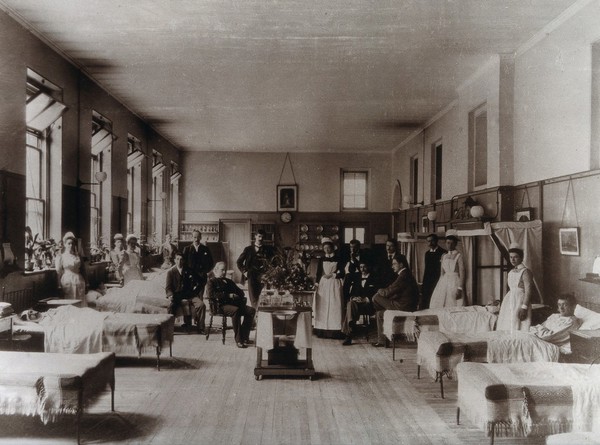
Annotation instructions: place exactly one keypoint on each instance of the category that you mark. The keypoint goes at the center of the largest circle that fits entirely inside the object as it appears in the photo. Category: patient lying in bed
(557, 327)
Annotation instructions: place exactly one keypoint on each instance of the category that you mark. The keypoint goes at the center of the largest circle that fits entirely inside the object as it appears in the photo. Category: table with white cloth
(283, 331)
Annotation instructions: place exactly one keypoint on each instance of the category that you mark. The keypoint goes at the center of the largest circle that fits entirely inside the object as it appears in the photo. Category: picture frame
(287, 198)
(569, 241)
(523, 215)
(440, 228)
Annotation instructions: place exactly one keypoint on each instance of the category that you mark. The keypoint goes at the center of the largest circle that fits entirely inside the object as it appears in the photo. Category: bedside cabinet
(585, 346)
(6, 330)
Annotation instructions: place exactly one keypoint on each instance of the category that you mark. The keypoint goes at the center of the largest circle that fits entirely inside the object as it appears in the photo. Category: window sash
(354, 190)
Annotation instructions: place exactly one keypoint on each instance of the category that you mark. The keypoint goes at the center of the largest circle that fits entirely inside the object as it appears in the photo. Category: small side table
(585, 346)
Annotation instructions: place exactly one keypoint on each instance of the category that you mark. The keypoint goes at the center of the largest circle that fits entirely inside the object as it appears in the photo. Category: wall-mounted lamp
(99, 176)
(432, 215)
(473, 208)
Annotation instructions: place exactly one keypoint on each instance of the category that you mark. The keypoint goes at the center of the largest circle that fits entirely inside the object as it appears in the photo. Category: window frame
(343, 194)
(478, 151)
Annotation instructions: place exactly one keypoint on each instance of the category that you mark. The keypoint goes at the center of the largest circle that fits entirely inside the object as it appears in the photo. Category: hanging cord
(569, 189)
(287, 159)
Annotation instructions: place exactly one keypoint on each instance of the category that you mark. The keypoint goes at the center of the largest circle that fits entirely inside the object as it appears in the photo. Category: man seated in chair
(557, 327)
(227, 298)
(183, 290)
(362, 287)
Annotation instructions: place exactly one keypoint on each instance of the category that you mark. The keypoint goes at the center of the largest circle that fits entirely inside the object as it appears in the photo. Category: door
(236, 236)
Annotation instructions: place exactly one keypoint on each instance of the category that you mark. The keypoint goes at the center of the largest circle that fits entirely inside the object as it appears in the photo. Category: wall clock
(285, 217)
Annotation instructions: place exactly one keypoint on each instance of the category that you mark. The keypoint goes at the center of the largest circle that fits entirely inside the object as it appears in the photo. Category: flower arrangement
(38, 252)
(284, 273)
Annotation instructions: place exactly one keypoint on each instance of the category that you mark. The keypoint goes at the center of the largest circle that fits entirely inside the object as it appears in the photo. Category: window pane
(348, 234)
(34, 173)
(360, 234)
(481, 149)
(354, 193)
(34, 216)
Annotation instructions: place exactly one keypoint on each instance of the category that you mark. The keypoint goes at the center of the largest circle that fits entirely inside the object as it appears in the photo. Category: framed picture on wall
(287, 198)
(569, 241)
(523, 215)
(441, 228)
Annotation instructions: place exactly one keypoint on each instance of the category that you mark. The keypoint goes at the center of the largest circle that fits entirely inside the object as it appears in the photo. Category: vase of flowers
(285, 272)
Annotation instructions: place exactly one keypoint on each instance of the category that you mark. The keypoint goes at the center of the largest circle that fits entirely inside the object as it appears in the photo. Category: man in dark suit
(384, 265)
(402, 295)
(198, 259)
(362, 288)
(351, 265)
(253, 261)
(183, 290)
(230, 300)
(433, 266)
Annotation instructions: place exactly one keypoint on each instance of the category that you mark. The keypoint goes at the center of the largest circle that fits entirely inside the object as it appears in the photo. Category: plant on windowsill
(45, 253)
(99, 251)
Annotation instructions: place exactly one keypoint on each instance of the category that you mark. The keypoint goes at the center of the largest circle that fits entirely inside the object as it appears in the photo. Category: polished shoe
(347, 341)
(379, 345)
(248, 342)
(240, 345)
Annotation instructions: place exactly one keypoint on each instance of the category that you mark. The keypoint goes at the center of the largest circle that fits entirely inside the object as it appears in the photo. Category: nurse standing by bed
(515, 311)
(131, 264)
(449, 290)
(69, 268)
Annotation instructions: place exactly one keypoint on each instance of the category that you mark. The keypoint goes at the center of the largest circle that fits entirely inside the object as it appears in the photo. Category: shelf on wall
(208, 229)
(269, 229)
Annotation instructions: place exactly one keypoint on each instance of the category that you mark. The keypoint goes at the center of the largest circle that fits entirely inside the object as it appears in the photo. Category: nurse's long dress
(132, 269)
(329, 298)
(446, 289)
(520, 281)
(68, 268)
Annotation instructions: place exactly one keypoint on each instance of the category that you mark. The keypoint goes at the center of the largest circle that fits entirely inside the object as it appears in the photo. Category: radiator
(19, 299)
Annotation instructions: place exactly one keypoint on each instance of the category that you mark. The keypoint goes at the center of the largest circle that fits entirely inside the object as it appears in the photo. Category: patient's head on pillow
(30, 315)
(566, 304)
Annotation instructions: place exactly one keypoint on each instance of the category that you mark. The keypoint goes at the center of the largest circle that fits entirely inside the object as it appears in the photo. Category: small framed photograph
(523, 215)
(424, 224)
(569, 241)
(441, 228)
(287, 198)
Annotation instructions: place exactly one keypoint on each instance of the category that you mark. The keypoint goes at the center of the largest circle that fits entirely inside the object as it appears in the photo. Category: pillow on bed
(589, 318)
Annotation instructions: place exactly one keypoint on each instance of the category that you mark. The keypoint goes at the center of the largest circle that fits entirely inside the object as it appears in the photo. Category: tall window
(437, 171)
(44, 137)
(355, 188)
(100, 205)
(414, 179)
(478, 151)
(175, 177)
(135, 155)
(158, 196)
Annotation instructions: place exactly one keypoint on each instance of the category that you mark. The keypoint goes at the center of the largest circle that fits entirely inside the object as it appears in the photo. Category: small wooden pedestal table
(282, 331)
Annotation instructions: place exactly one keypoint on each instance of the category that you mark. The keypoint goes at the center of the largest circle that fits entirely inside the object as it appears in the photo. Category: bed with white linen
(529, 399)
(52, 385)
(409, 325)
(75, 330)
(440, 352)
(138, 296)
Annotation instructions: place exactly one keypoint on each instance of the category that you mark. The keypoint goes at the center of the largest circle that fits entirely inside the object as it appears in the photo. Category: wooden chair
(215, 311)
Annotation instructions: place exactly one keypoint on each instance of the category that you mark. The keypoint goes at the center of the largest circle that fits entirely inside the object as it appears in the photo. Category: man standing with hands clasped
(253, 262)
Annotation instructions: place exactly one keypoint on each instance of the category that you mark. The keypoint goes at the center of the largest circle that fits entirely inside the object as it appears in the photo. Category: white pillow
(589, 318)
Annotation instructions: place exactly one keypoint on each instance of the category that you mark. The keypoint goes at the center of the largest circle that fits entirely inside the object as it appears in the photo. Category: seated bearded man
(226, 297)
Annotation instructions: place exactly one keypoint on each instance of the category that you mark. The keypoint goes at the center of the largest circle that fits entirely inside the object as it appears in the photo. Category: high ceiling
(285, 75)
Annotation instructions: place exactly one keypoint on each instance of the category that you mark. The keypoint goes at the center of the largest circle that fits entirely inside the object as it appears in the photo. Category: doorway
(235, 236)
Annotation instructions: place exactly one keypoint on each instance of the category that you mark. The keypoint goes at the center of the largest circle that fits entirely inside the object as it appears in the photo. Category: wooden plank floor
(208, 394)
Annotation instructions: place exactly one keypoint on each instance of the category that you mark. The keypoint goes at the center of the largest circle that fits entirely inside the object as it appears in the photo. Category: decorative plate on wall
(303, 236)
(304, 228)
(319, 229)
(335, 229)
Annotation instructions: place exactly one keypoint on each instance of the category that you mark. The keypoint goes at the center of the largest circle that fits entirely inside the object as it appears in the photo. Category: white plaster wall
(228, 181)
(553, 100)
